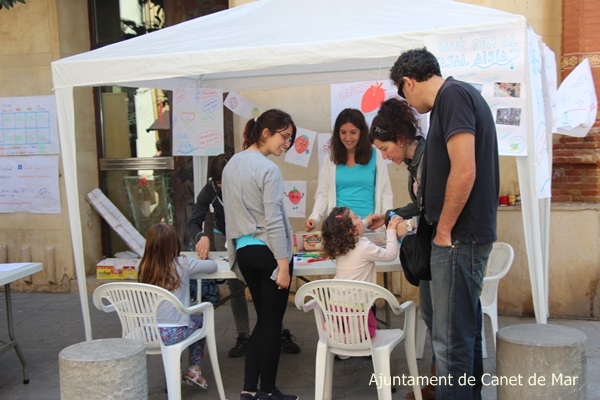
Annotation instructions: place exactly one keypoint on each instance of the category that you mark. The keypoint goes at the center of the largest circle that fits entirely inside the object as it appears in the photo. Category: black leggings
(257, 264)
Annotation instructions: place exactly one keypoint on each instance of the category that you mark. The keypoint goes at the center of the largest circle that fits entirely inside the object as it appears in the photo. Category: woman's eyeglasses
(287, 138)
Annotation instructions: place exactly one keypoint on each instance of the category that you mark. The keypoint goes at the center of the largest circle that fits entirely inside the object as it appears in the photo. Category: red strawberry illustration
(372, 98)
(301, 144)
(295, 195)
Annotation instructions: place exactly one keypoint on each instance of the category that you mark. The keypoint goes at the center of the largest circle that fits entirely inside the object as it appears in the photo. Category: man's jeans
(456, 280)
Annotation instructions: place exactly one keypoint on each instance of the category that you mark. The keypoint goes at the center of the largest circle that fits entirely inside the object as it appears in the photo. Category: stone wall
(33, 35)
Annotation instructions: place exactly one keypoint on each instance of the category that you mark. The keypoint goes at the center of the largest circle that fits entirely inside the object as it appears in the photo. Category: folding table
(9, 273)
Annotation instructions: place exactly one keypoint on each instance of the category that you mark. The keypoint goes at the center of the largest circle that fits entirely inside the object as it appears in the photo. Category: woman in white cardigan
(355, 175)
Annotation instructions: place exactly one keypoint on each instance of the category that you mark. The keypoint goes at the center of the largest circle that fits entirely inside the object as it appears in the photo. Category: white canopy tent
(281, 43)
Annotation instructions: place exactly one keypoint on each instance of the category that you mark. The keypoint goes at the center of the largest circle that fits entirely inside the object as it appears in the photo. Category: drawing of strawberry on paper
(295, 196)
(372, 98)
(302, 144)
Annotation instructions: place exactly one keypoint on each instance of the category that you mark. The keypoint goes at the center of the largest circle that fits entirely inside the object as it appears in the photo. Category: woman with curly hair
(395, 132)
(354, 254)
(354, 175)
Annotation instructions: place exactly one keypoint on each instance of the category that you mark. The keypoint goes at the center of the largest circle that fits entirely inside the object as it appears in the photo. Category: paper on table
(11, 266)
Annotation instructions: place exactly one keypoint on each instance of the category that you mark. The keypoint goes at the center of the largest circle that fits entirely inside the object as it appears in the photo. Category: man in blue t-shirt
(460, 180)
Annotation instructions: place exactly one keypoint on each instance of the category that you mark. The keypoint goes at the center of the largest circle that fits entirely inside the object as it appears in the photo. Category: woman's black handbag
(415, 253)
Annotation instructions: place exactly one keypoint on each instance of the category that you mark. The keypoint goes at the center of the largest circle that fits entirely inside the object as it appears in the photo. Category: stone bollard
(103, 369)
(543, 361)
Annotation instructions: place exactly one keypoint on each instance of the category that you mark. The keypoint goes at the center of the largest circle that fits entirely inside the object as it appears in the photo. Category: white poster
(29, 184)
(294, 198)
(198, 122)
(28, 126)
(576, 102)
(301, 151)
(240, 106)
(538, 117)
(323, 146)
(364, 96)
(494, 63)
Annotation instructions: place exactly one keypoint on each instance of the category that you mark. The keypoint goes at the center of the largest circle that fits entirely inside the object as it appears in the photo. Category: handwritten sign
(494, 63)
(323, 146)
(198, 122)
(541, 127)
(365, 96)
(28, 126)
(576, 102)
(29, 184)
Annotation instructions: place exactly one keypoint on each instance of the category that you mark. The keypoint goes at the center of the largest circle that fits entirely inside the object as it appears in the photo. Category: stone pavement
(46, 323)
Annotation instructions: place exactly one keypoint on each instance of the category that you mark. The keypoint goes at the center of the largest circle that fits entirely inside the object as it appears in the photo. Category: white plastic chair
(498, 265)
(136, 305)
(341, 310)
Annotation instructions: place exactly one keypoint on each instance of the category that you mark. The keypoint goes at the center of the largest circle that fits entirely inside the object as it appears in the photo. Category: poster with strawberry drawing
(294, 198)
(365, 96)
(300, 151)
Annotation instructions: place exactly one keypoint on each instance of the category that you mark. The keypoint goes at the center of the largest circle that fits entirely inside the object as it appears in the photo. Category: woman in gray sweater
(260, 243)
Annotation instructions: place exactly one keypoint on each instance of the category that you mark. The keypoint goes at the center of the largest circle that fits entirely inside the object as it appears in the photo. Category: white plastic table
(302, 270)
(8, 274)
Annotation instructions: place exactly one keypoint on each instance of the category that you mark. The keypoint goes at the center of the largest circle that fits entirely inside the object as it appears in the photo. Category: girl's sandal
(197, 378)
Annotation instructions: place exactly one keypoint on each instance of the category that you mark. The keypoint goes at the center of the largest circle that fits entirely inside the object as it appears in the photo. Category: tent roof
(278, 43)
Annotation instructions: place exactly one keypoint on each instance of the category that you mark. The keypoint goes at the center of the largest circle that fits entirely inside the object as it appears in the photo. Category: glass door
(137, 167)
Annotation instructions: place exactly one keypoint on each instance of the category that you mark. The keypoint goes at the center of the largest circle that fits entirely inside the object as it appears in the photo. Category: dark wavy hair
(395, 120)
(217, 165)
(338, 233)
(418, 64)
(274, 120)
(159, 263)
(339, 154)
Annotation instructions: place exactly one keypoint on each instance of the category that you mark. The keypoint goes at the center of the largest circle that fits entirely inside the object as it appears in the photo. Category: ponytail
(274, 120)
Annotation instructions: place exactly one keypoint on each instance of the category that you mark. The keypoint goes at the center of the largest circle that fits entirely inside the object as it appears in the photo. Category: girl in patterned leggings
(162, 266)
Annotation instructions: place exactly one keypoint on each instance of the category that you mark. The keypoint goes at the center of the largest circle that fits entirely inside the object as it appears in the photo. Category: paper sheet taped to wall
(29, 184)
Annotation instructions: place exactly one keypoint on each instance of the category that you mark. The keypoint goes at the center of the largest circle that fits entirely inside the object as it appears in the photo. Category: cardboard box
(104, 269)
(130, 272)
(117, 268)
(116, 274)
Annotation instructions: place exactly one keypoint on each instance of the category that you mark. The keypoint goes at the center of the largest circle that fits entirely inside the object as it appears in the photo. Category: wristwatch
(409, 227)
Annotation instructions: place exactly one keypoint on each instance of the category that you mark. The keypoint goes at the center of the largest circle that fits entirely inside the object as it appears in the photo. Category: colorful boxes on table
(308, 241)
(117, 268)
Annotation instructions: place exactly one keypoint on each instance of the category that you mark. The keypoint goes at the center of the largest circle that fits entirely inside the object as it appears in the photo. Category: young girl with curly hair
(354, 254)
(162, 266)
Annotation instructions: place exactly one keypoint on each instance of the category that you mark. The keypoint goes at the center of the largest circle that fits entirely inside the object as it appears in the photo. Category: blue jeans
(426, 309)
(456, 279)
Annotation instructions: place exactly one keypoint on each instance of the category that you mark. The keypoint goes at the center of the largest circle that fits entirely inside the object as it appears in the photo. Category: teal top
(355, 187)
(247, 240)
